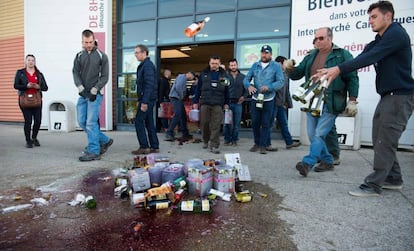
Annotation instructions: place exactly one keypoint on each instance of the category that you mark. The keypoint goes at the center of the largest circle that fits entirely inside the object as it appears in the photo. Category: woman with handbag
(30, 83)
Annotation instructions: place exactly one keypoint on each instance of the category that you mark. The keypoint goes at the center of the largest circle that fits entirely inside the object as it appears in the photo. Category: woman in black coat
(30, 80)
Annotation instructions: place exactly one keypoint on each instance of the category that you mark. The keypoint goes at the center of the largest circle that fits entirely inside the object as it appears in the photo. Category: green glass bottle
(179, 183)
(157, 204)
(195, 206)
(301, 90)
(90, 202)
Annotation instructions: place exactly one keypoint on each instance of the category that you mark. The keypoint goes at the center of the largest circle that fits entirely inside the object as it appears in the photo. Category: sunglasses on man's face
(321, 38)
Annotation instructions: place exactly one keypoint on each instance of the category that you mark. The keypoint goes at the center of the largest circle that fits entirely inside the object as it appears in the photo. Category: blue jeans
(318, 128)
(144, 122)
(280, 113)
(88, 115)
(261, 122)
(231, 132)
(180, 118)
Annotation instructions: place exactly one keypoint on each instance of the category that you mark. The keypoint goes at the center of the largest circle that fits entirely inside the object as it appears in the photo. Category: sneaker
(364, 191)
(36, 142)
(294, 144)
(263, 150)
(154, 150)
(215, 150)
(227, 143)
(390, 186)
(169, 138)
(29, 144)
(89, 157)
(105, 146)
(323, 167)
(303, 168)
(271, 149)
(254, 148)
(336, 161)
(234, 143)
(205, 145)
(140, 151)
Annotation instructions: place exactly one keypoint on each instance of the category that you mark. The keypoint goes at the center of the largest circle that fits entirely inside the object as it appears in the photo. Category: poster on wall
(56, 48)
(250, 53)
(351, 30)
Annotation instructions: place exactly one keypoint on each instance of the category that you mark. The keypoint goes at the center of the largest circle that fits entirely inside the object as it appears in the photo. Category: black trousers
(30, 115)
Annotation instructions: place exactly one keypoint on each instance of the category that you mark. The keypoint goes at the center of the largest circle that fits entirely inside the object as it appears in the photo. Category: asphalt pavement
(318, 209)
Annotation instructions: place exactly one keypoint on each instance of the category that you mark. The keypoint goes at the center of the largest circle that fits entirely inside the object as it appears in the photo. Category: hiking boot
(105, 146)
(323, 167)
(29, 144)
(140, 151)
(294, 144)
(263, 150)
(169, 138)
(154, 150)
(227, 143)
(336, 160)
(271, 149)
(89, 157)
(254, 148)
(391, 186)
(36, 142)
(215, 150)
(303, 168)
(364, 191)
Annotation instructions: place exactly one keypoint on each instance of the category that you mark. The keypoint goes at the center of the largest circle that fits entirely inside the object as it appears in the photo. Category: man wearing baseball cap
(262, 81)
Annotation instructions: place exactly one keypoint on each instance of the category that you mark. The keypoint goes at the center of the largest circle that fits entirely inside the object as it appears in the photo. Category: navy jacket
(147, 88)
(391, 55)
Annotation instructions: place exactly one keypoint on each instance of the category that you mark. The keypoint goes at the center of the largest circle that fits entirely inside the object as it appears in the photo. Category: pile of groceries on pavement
(153, 182)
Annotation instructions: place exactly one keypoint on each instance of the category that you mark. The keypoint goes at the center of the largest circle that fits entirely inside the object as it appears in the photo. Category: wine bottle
(157, 204)
(195, 27)
(90, 202)
(260, 100)
(179, 183)
(318, 101)
(301, 90)
(195, 206)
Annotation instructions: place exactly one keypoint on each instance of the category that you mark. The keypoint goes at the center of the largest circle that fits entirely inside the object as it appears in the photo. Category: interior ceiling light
(173, 54)
(185, 48)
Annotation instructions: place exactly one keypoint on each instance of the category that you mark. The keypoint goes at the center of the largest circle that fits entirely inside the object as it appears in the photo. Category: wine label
(187, 206)
(205, 205)
(161, 205)
(182, 183)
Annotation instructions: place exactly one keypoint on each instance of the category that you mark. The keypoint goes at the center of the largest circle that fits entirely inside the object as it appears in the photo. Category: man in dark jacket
(237, 94)
(212, 90)
(325, 53)
(147, 97)
(391, 55)
(283, 101)
(163, 92)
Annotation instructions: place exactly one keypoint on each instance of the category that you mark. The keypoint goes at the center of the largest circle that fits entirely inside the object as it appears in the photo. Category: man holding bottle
(262, 81)
(325, 54)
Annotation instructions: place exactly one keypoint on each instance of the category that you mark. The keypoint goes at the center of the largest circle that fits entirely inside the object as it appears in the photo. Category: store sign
(351, 30)
(53, 34)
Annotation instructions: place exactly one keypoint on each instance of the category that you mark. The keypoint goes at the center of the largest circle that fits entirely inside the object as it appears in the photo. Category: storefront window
(214, 5)
(220, 27)
(260, 3)
(171, 30)
(138, 10)
(248, 52)
(138, 33)
(175, 7)
(270, 22)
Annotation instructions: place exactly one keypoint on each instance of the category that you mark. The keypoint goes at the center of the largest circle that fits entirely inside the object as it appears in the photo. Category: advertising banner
(349, 21)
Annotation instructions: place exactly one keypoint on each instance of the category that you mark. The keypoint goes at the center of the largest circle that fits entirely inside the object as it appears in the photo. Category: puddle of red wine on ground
(117, 225)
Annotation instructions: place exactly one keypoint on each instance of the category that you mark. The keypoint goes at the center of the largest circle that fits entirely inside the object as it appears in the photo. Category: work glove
(289, 65)
(81, 91)
(94, 92)
(351, 108)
